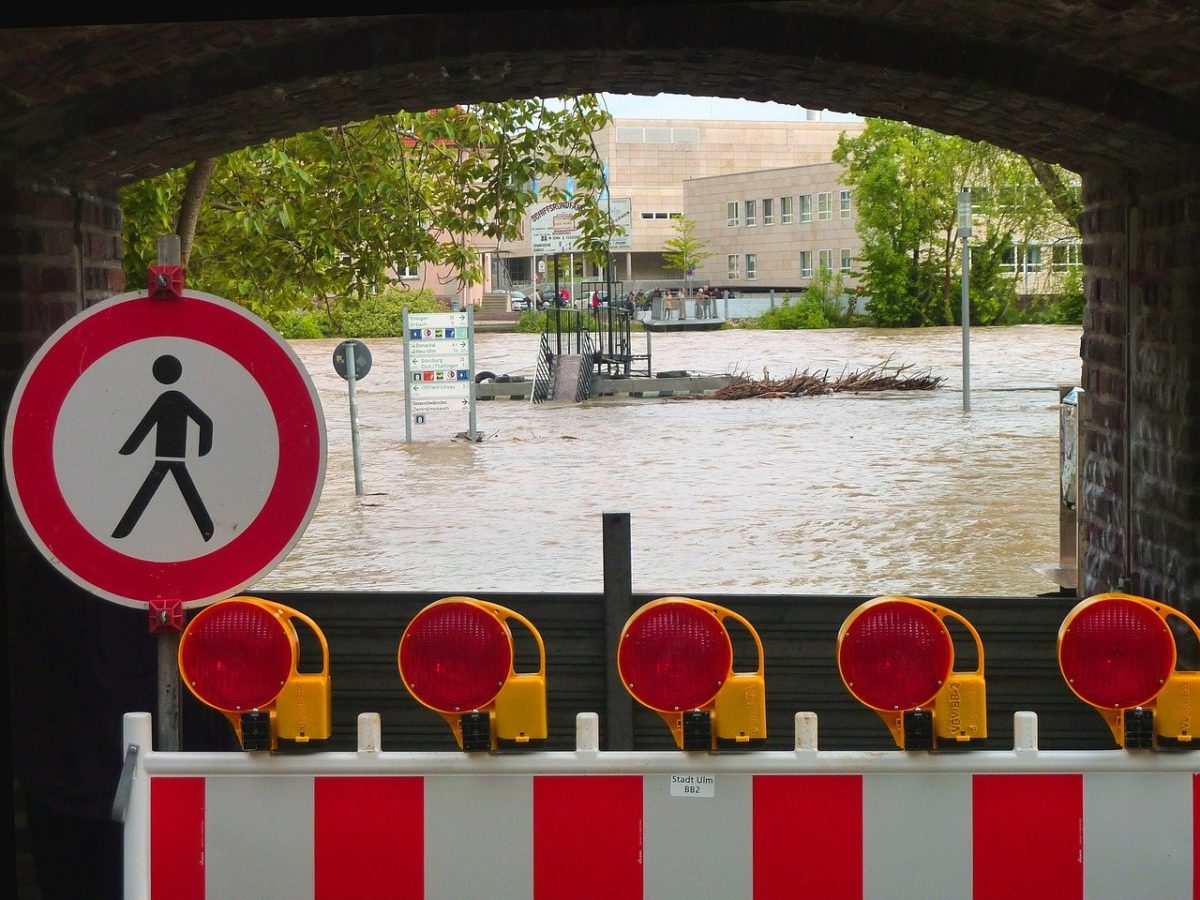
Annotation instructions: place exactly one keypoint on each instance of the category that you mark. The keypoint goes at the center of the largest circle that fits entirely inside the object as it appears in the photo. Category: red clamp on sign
(166, 615)
(165, 282)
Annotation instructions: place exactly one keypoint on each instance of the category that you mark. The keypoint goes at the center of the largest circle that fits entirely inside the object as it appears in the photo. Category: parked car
(519, 302)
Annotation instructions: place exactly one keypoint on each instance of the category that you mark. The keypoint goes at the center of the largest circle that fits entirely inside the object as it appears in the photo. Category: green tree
(317, 220)
(906, 182)
(820, 306)
(685, 251)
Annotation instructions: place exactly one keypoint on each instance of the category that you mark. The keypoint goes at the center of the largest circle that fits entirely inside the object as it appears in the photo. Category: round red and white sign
(165, 449)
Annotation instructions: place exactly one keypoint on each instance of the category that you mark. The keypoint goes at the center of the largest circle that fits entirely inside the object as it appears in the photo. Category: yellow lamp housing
(1118, 654)
(240, 657)
(456, 657)
(896, 656)
(675, 657)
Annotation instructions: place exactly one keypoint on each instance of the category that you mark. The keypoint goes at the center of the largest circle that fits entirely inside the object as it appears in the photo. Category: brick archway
(1105, 87)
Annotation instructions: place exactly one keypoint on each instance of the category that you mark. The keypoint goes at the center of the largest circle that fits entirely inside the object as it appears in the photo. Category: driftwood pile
(881, 377)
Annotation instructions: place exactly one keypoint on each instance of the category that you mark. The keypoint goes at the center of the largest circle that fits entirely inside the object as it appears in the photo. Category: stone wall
(1140, 486)
(60, 251)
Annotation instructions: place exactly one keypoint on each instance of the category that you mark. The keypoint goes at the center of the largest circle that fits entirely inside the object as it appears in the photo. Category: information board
(552, 227)
(439, 369)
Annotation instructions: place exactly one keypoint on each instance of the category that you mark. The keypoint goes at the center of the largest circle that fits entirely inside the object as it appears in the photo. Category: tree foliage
(906, 182)
(685, 251)
(317, 220)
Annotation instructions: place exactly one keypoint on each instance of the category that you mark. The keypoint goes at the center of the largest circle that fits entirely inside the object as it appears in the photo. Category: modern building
(773, 230)
(766, 200)
(667, 168)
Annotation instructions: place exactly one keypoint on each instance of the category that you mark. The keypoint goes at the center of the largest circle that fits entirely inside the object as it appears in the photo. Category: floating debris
(882, 377)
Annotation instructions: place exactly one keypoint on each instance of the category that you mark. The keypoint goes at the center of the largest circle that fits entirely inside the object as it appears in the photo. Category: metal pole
(618, 607)
(351, 378)
(170, 694)
(557, 310)
(407, 379)
(471, 371)
(966, 324)
(964, 232)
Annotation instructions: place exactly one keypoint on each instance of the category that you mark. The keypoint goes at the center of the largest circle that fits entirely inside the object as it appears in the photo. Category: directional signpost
(352, 360)
(439, 367)
(165, 450)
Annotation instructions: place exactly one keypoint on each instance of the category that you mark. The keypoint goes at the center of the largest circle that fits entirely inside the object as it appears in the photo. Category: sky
(682, 106)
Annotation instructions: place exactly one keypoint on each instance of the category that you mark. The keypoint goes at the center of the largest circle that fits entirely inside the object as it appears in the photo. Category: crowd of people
(636, 300)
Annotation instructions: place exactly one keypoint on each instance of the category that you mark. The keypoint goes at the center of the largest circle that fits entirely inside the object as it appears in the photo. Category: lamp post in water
(964, 232)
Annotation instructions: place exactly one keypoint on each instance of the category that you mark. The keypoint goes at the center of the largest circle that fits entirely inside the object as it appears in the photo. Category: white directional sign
(439, 363)
(165, 449)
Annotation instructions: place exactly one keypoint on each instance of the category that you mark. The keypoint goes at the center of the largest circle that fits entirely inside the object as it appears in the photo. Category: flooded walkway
(899, 492)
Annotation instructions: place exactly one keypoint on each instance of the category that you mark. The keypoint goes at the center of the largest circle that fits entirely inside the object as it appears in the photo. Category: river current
(874, 493)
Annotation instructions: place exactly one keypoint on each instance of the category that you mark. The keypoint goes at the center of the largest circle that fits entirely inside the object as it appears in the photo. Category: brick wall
(1141, 370)
(60, 251)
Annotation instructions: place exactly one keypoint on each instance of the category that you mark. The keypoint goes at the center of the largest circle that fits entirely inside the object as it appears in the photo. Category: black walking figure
(169, 414)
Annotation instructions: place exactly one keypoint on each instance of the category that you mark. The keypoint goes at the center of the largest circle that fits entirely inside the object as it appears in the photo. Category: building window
(806, 207)
(785, 210)
(1064, 257)
(768, 211)
(847, 259)
(844, 205)
(825, 260)
(734, 269)
(1021, 259)
(825, 205)
(662, 215)
(731, 213)
(751, 213)
(751, 266)
(408, 271)
(806, 264)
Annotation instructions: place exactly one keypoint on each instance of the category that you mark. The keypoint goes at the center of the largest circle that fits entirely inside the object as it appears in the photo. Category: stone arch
(1106, 87)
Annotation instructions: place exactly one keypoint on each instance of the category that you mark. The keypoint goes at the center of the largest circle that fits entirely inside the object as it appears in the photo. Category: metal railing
(543, 375)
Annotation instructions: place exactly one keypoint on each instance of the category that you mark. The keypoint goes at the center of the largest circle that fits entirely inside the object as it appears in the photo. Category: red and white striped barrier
(989, 824)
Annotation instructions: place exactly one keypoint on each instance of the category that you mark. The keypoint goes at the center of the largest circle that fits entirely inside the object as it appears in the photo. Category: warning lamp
(1117, 653)
(895, 655)
(239, 656)
(456, 657)
(675, 657)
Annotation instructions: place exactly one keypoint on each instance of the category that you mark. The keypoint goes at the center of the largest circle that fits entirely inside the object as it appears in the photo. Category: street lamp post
(964, 232)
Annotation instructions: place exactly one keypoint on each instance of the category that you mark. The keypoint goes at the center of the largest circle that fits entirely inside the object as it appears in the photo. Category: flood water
(897, 492)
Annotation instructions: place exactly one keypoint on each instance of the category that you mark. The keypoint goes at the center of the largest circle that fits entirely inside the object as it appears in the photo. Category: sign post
(439, 367)
(964, 232)
(164, 449)
(352, 360)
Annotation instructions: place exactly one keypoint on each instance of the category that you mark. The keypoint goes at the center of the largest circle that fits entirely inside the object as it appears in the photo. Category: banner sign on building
(552, 227)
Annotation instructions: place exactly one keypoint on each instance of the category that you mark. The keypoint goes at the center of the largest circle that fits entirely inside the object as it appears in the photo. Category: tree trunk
(189, 209)
(1060, 195)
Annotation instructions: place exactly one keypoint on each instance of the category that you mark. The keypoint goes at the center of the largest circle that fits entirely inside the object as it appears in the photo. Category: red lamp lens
(895, 656)
(236, 656)
(1116, 653)
(455, 656)
(674, 656)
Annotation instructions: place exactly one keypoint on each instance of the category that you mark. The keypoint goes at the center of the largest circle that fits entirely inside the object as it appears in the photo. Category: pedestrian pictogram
(169, 417)
(165, 449)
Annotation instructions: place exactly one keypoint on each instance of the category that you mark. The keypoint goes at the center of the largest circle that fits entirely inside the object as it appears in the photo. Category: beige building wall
(767, 240)
(650, 160)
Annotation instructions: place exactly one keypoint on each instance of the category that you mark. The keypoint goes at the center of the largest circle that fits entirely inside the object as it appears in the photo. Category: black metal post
(618, 607)
(557, 311)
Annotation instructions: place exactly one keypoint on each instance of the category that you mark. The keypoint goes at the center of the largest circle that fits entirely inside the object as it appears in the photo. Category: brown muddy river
(898, 492)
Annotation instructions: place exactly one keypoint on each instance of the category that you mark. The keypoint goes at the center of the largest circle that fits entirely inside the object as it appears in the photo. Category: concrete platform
(604, 387)
(682, 324)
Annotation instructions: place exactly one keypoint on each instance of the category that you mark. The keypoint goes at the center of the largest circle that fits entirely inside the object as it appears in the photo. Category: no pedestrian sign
(165, 449)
